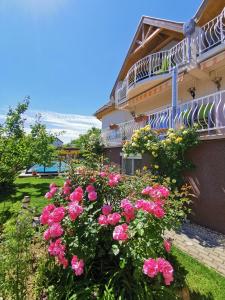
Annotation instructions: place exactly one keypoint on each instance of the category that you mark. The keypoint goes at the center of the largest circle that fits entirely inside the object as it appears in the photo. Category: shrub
(168, 153)
(109, 246)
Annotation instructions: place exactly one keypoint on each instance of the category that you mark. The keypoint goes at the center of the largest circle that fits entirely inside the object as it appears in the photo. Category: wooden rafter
(151, 37)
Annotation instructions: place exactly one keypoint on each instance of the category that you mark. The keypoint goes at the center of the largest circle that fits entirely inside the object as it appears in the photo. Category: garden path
(205, 245)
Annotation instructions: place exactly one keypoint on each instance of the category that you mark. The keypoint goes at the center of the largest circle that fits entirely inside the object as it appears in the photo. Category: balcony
(206, 41)
(207, 112)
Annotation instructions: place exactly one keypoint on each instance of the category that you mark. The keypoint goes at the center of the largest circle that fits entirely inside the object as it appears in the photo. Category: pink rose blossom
(102, 174)
(66, 190)
(120, 232)
(52, 185)
(106, 209)
(77, 195)
(53, 190)
(56, 248)
(67, 183)
(146, 190)
(90, 188)
(150, 267)
(92, 196)
(166, 269)
(54, 231)
(77, 265)
(114, 218)
(151, 207)
(102, 220)
(63, 261)
(55, 215)
(167, 245)
(58, 214)
(128, 210)
(49, 195)
(74, 210)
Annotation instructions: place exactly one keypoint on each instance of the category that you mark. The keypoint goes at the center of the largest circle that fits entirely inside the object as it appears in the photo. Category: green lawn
(31, 186)
(204, 283)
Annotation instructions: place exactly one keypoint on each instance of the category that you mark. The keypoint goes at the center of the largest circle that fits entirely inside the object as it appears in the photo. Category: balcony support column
(174, 96)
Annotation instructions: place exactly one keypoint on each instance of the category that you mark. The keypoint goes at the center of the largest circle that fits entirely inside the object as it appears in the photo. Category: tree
(18, 149)
(91, 146)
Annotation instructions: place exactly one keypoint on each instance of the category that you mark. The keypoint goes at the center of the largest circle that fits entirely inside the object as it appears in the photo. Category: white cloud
(70, 124)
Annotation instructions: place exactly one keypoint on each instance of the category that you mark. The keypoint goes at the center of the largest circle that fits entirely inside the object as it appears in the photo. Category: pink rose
(74, 210)
(150, 267)
(102, 220)
(106, 209)
(167, 245)
(49, 195)
(92, 196)
(90, 188)
(120, 232)
(114, 218)
(77, 265)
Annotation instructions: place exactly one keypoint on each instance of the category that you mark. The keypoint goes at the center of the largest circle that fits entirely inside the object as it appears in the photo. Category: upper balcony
(154, 68)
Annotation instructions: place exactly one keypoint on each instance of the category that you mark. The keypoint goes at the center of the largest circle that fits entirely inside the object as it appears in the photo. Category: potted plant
(113, 126)
(141, 118)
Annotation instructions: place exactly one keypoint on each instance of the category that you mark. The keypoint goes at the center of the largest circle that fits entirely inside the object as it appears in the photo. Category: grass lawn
(31, 186)
(204, 283)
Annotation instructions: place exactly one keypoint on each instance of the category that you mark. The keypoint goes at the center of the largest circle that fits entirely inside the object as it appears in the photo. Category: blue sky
(66, 54)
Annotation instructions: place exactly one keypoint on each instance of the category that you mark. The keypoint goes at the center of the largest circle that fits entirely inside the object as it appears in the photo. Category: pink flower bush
(74, 210)
(131, 228)
(120, 232)
(152, 267)
(92, 196)
(77, 265)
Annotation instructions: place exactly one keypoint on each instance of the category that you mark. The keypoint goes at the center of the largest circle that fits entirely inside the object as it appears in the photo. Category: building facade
(174, 75)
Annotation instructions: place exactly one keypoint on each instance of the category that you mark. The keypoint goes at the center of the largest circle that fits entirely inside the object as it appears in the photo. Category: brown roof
(110, 106)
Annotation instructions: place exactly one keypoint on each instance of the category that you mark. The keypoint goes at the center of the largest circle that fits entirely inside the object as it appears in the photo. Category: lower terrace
(207, 112)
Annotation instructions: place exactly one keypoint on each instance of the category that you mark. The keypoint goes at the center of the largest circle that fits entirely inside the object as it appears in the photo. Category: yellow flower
(174, 181)
(185, 132)
(145, 138)
(178, 140)
(156, 166)
(133, 144)
(145, 168)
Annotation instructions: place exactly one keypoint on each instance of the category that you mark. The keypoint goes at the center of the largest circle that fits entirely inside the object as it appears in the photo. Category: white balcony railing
(211, 34)
(152, 65)
(207, 112)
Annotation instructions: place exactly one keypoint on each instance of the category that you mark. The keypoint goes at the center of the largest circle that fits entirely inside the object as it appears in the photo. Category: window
(131, 164)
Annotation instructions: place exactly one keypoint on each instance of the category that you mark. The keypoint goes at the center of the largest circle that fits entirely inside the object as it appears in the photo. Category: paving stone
(201, 243)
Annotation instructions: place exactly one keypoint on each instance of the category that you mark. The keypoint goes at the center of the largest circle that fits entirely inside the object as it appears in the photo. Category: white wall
(115, 117)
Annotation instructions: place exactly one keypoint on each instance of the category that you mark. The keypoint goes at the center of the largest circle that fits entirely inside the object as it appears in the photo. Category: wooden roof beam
(150, 38)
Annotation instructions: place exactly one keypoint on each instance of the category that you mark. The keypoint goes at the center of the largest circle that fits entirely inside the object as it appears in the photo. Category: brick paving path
(203, 244)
